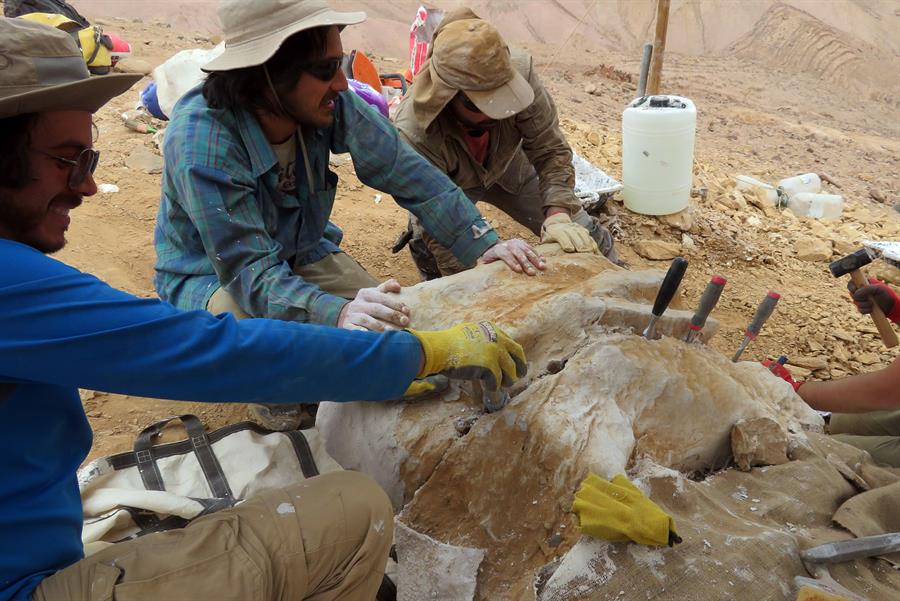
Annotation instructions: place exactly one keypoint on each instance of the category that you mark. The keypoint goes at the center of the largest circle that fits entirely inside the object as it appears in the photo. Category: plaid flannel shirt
(223, 222)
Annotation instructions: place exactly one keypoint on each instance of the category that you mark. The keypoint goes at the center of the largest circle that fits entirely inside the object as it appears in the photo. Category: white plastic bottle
(808, 182)
(817, 206)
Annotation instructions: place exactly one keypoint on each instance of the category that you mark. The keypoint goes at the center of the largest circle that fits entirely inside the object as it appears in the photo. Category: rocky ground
(755, 117)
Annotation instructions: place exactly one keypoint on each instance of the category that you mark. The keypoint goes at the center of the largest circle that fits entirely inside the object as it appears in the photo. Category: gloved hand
(571, 236)
(618, 511)
(877, 292)
(472, 351)
(426, 388)
(782, 372)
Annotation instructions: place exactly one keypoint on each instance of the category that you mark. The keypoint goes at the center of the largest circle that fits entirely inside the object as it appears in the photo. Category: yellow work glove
(618, 511)
(426, 388)
(573, 238)
(472, 351)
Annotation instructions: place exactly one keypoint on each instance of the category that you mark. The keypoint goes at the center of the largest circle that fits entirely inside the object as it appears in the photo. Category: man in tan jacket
(478, 111)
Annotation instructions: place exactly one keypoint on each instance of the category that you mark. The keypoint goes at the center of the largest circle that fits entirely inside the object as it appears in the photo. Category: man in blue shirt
(61, 330)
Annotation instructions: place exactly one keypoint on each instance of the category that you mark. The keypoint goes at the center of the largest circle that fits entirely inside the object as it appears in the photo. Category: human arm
(65, 328)
(385, 162)
(873, 391)
(62, 327)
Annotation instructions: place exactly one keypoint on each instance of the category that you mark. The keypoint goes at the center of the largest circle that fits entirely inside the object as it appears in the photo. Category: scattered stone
(133, 65)
(799, 373)
(867, 358)
(877, 196)
(682, 220)
(590, 89)
(758, 441)
(687, 241)
(657, 250)
(813, 249)
(843, 335)
(734, 200)
(815, 346)
(593, 137)
(144, 159)
(86, 395)
(812, 363)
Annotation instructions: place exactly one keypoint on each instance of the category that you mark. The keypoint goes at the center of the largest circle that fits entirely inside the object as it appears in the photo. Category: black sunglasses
(324, 69)
(83, 165)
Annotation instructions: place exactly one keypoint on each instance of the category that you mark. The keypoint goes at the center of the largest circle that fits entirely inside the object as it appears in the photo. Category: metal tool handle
(763, 312)
(885, 329)
(846, 550)
(708, 301)
(669, 285)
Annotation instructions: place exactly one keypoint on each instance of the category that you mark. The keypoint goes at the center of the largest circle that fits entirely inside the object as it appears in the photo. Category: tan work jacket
(531, 138)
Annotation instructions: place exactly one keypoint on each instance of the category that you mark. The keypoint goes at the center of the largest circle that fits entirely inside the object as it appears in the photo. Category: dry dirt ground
(785, 92)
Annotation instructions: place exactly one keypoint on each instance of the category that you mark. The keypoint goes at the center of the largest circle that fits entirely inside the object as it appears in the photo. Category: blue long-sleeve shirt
(61, 330)
(223, 222)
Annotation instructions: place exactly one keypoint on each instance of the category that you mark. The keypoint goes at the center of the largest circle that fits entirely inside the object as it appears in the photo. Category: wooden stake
(659, 46)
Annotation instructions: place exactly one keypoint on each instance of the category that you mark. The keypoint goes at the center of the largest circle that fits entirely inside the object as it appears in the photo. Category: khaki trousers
(323, 539)
(877, 432)
(338, 274)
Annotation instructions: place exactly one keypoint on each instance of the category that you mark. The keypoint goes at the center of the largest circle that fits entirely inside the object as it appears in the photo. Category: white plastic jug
(817, 206)
(808, 182)
(658, 154)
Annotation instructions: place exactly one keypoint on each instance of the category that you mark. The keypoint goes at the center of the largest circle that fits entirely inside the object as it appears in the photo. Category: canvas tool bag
(162, 487)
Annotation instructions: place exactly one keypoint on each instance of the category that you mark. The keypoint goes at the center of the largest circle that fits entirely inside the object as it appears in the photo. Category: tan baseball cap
(42, 69)
(470, 55)
(255, 29)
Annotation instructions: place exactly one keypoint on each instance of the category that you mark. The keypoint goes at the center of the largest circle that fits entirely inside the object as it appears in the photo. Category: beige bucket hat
(42, 69)
(468, 54)
(255, 29)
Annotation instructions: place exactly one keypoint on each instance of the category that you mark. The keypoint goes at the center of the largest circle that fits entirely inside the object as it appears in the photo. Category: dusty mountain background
(781, 88)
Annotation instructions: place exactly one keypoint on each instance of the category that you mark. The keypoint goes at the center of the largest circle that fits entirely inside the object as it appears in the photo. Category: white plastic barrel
(658, 154)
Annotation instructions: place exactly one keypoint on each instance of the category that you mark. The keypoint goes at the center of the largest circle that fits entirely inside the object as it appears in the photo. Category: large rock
(597, 397)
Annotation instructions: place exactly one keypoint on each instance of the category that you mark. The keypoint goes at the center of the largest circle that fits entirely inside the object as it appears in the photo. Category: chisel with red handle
(707, 303)
(762, 314)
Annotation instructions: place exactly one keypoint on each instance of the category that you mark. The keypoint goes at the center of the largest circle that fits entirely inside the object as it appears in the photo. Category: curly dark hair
(243, 88)
(15, 166)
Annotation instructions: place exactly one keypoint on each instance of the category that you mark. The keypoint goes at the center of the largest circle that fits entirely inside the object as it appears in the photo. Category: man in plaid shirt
(243, 224)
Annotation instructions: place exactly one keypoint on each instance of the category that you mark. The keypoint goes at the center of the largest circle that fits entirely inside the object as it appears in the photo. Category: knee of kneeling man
(361, 494)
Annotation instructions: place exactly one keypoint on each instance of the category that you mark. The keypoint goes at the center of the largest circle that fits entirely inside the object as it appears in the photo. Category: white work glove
(376, 309)
(573, 238)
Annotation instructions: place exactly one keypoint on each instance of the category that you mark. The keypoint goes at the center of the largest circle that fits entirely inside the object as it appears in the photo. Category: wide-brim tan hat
(254, 30)
(42, 69)
(470, 55)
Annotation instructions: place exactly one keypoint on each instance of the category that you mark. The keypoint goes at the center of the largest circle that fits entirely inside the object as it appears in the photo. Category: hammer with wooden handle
(852, 264)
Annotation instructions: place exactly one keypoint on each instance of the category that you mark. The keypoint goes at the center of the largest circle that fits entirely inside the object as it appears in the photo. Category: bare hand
(517, 254)
(376, 309)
